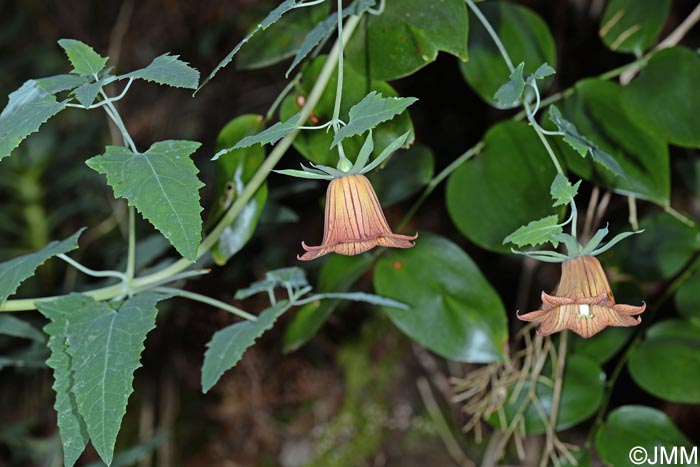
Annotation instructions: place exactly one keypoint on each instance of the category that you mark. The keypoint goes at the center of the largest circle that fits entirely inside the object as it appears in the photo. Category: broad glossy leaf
(338, 274)
(633, 26)
(408, 36)
(631, 426)
(660, 252)
(537, 232)
(664, 97)
(597, 112)
(663, 362)
(407, 171)
(16, 271)
(169, 70)
(162, 184)
(581, 395)
(104, 345)
(372, 110)
(283, 39)
(27, 109)
(84, 59)
(269, 20)
(688, 297)
(15, 327)
(454, 310)
(502, 188)
(234, 169)
(228, 344)
(525, 36)
(314, 144)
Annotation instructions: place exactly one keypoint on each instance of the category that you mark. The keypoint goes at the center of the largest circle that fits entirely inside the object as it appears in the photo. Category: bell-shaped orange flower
(354, 221)
(583, 302)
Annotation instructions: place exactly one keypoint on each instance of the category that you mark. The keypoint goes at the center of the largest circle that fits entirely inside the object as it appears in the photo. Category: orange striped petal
(354, 221)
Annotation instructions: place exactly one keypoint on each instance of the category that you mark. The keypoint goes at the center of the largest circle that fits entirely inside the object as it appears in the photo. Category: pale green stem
(131, 254)
(344, 162)
(88, 271)
(117, 119)
(206, 300)
(509, 63)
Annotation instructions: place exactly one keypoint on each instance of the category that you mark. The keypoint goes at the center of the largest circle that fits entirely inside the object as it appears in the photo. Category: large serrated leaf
(169, 70)
(372, 110)
(268, 136)
(84, 59)
(17, 270)
(27, 109)
(269, 20)
(105, 348)
(58, 83)
(71, 427)
(162, 184)
(228, 344)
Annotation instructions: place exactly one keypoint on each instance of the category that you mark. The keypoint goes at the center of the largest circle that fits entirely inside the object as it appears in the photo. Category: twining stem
(166, 274)
(344, 162)
(112, 112)
(206, 300)
(509, 63)
(90, 272)
(131, 254)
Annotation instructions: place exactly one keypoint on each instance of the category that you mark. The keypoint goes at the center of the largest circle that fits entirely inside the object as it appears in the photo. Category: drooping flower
(354, 221)
(583, 302)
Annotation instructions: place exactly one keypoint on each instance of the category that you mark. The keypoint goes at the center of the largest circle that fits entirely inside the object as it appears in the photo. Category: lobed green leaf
(84, 59)
(168, 70)
(537, 232)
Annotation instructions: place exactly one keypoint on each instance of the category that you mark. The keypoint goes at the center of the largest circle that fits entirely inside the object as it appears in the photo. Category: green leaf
(269, 20)
(84, 59)
(314, 144)
(87, 93)
(583, 145)
(17, 270)
(169, 70)
(604, 345)
(582, 394)
(537, 232)
(268, 136)
(15, 327)
(525, 36)
(509, 94)
(104, 346)
(407, 171)
(597, 111)
(486, 211)
(632, 26)
(284, 38)
(338, 274)
(228, 344)
(162, 184)
(454, 310)
(71, 427)
(372, 110)
(667, 244)
(662, 363)
(27, 109)
(233, 171)
(632, 426)
(562, 191)
(664, 97)
(408, 36)
(58, 83)
(688, 297)
(544, 71)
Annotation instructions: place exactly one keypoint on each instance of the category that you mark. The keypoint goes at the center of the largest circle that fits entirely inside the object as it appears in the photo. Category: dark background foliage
(358, 374)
